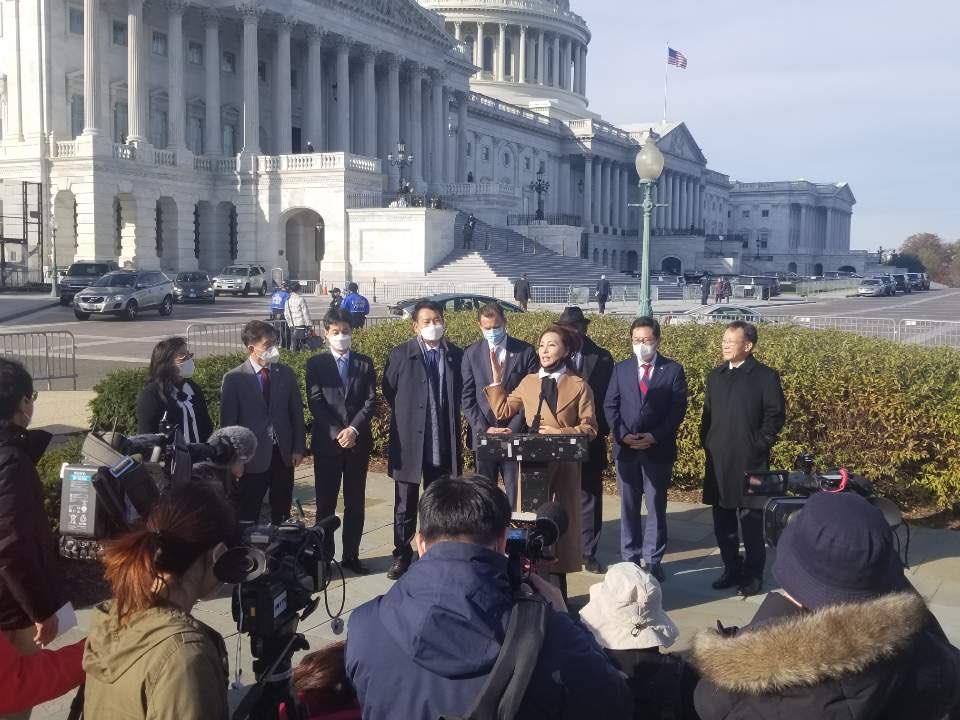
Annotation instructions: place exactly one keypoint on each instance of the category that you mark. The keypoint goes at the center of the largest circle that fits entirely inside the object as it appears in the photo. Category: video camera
(781, 494)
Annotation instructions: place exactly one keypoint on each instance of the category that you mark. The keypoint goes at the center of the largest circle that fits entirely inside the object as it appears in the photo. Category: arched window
(605, 258)
(488, 54)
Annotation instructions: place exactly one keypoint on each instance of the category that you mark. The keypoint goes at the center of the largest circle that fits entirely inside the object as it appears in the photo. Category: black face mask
(555, 366)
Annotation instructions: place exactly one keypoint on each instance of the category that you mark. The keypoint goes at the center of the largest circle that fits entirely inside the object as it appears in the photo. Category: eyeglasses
(184, 357)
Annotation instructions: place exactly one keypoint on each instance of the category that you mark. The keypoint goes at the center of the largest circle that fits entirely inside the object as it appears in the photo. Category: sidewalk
(17, 305)
(692, 562)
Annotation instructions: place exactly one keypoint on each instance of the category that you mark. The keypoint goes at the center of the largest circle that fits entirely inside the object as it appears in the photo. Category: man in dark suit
(341, 387)
(595, 365)
(264, 396)
(423, 385)
(603, 293)
(521, 291)
(645, 404)
(519, 360)
(743, 413)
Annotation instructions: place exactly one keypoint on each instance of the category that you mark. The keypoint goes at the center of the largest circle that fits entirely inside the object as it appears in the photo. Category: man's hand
(347, 438)
(46, 631)
(296, 458)
(499, 431)
(548, 592)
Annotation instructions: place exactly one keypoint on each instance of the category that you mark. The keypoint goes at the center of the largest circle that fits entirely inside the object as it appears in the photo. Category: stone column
(91, 73)
(393, 115)
(314, 89)
(458, 30)
(439, 127)
(15, 78)
(462, 138)
(598, 218)
(478, 48)
(565, 60)
(137, 90)
(563, 182)
(541, 58)
(501, 53)
(283, 104)
(575, 49)
(212, 141)
(828, 229)
(674, 202)
(445, 137)
(606, 197)
(588, 192)
(251, 81)
(617, 195)
(583, 65)
(370, 103)
(176, 109)
(415, 142)
(556, 61)
(343, 97)
(522, 56)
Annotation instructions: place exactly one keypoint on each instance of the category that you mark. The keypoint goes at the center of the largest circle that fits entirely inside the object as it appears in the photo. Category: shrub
(888, 411)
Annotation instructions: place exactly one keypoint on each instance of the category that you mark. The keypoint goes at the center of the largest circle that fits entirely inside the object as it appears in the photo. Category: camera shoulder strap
(507, 683)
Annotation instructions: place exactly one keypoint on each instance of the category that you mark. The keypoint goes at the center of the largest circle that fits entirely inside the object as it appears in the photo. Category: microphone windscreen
(328, 524)
(554, 512)
(236, 444)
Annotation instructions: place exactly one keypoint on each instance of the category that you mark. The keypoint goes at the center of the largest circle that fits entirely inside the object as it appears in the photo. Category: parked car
(704, 315)
(903, 285)
(452, 302)
(872, 287)
(916, 281)
(241, 280)
(81, 275)
(191, 286)
(758, 286)
(125, 293)
(889, 285)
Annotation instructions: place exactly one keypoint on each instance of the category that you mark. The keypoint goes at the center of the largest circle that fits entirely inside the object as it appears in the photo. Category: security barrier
(48, 356)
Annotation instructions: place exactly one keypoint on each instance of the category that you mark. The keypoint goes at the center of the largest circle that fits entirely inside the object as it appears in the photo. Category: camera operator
(427, 647)
(170, 391)
(847, 637)
(29, 584)
(145, 653)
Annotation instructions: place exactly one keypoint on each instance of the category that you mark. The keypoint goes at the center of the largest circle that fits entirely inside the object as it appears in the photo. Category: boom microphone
(328, 525)
(231, 445)
(552, 522)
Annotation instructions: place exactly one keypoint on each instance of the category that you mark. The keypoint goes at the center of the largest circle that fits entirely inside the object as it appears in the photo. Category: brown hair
(323, 675)
(163, 361)
(183, 525)
(491, 311)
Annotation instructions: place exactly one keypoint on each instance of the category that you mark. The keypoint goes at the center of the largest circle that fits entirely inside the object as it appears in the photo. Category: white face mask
(187, 368)
(270, 356)
(432, 333)
(340, 343)
(644, 352)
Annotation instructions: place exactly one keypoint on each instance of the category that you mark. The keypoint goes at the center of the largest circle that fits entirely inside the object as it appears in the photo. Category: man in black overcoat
(743, 413)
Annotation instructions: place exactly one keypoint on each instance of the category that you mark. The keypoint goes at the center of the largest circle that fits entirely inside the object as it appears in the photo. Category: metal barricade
(561, 294)
(930, 333)
(206, 339)
(883, 328)
(47, 356)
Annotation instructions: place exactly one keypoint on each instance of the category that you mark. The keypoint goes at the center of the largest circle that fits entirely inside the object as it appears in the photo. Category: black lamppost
(540, 186)
(402, 159)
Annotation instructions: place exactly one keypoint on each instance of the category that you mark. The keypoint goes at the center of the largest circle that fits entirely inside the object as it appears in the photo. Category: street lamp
(540, 187)
(649, 164)
(402, 159)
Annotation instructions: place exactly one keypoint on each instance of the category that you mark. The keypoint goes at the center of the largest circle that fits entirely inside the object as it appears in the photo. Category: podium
(534, 455)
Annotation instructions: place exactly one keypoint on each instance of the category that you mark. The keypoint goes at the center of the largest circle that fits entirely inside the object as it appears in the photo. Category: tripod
(273, 668)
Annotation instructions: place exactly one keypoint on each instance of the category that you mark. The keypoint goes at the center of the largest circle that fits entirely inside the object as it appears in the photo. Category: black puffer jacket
(882, 659)
(29, 581)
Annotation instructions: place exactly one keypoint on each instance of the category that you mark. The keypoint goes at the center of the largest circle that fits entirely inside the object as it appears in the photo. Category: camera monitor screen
(771, 483)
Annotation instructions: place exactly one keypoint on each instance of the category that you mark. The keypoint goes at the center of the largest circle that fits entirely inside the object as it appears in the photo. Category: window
(195, 53)
(506, 159)
(76, 115)
(526, 163)
(764, 237)
(469, 149)
(484, 153)
(195, 134)
(765, 213)
(158, 128)
(120, 122)
(262, 71)
(745, 214)
(159, 45)
(119, 33)
(228, 145)
(228, 62)
(294, 78)
(76, 20)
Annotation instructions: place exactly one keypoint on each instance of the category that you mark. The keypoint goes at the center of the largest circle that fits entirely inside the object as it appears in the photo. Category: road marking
(883, 308)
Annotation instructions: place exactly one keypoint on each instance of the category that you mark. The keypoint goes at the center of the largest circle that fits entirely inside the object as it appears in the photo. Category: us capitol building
(182, 135)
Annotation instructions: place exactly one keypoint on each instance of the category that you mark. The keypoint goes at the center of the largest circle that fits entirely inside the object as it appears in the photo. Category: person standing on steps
(603, 293)
(521, 291)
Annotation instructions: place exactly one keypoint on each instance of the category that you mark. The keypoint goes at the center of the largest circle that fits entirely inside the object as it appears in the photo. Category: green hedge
(889, 411)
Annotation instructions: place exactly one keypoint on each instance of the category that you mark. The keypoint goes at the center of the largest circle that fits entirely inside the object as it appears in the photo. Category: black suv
(903, 284)
(82, 275)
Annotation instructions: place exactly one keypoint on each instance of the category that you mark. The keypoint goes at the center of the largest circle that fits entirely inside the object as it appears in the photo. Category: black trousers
(728, 539)
(405, 498)
(329, 471)
(591, 505)
(508, 470)
(602, 302)
(278, 479)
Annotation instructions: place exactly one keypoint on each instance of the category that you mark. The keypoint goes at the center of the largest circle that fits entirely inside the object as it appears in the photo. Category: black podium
(533, 454)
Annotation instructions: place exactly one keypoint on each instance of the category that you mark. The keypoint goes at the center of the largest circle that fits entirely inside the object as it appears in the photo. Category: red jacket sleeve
(28, 680)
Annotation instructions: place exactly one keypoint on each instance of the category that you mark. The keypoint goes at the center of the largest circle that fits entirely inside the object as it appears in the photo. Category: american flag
(675, 57)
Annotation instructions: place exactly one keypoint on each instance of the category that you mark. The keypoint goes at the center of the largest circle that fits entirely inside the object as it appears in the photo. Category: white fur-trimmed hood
(808, 649)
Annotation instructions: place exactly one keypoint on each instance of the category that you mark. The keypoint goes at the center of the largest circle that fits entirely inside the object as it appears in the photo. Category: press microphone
(552, 522)
(328, 524)
(230, 445)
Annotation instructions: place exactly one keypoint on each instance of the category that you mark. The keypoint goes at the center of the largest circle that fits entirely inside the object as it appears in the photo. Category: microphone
(328, 525)
(552, 522)
(228, 445)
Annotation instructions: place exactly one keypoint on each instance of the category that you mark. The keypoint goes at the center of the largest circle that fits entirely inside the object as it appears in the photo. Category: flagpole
(665, 66)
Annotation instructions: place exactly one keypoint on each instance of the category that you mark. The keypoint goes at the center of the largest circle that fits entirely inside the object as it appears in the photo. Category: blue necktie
(342, 368)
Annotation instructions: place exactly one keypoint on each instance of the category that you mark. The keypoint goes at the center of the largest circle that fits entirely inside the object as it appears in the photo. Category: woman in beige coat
(571, 412)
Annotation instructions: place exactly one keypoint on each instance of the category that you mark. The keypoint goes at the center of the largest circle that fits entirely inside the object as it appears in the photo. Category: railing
(547, 219)
(165, 158)
(317, 161)
(537, 6)
(215, 163)
(516, 111)
(206, 339)
(65, 149)
(470, 189)
(589, 126)
(47, 356)
(371, 199)
(387, 292)
(122, 151)
(687, 231)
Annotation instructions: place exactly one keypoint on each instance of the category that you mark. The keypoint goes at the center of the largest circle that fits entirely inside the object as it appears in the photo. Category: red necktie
(644, 377)
(265, 384)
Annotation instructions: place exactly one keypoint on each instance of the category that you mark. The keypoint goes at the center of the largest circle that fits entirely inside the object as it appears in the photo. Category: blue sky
(855, 91)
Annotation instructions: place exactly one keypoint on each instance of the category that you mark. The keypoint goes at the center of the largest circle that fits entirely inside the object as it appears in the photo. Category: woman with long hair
(321, 682)
(170, 391)
(567, 407)
(145, 653)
